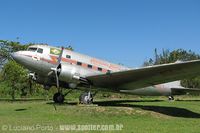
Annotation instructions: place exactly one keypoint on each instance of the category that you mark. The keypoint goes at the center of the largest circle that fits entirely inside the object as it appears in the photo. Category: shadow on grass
(61, 104)
(188, 100)
(76, 103)
(22, 99)
(170, 111)
(20, 109)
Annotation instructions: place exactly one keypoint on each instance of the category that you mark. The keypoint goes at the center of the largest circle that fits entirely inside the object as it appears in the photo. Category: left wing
(146, 76)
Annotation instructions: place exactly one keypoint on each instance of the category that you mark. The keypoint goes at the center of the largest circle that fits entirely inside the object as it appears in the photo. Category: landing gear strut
(58, 98)
(86, 98)
(171, 98)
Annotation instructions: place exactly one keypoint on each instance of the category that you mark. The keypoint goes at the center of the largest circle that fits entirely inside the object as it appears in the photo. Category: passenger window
(68, 56)
(99, 69)
(40, 50)
(79, 63)
(89, 66)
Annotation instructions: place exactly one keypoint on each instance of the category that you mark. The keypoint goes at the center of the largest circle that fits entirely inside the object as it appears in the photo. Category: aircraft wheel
(58, 98)
(86, 98)
(171, 98)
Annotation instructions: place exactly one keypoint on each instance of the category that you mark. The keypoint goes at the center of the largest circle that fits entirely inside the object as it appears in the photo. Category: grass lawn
(137, 116)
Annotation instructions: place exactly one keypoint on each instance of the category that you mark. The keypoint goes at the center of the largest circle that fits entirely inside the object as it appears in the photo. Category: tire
(58, 98)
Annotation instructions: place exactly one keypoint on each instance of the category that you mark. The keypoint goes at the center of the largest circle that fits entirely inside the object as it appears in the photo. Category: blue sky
(120, 31)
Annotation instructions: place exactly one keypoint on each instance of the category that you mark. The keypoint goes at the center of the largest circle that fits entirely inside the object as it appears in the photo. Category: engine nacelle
(69, 73)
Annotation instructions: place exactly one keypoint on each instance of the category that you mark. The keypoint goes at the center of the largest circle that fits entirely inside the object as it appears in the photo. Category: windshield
(32, 49)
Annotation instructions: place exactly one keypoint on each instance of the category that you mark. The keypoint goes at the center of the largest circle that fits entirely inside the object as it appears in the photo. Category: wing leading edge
(147, 76)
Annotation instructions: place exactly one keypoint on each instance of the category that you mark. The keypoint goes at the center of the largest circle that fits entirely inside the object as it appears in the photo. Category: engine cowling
(69, 73)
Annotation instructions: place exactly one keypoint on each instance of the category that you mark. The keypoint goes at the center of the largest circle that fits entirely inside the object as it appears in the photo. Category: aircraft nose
(21, 58)
(13, 55)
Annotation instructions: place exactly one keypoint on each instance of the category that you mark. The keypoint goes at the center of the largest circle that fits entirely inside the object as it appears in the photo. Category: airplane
(53, 66)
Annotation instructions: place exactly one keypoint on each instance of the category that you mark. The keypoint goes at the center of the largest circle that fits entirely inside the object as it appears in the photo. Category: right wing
(146, 76)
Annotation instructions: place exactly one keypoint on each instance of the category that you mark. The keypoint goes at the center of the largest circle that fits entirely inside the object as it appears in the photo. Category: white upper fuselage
(41, 58)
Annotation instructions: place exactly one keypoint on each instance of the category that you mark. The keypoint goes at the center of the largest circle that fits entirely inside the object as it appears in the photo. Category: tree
(16, 78)
(150, 62)
(70, 48)
(7, 47)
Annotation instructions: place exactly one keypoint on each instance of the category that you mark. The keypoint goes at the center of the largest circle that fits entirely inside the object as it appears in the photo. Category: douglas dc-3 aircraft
(64, 68)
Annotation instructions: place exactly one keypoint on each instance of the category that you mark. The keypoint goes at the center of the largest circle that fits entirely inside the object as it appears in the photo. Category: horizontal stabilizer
(181, 91)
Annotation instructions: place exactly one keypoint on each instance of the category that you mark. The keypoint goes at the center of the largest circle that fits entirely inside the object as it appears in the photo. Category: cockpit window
(40, 50)
(32, 49)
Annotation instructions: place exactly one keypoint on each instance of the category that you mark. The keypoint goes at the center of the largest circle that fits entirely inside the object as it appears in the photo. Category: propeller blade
(50, 73)
(60, 56)
(57, 80)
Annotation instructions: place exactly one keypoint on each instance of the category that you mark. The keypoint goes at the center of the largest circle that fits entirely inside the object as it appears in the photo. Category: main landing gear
(86, 98)
(58, 97)
(171, 98)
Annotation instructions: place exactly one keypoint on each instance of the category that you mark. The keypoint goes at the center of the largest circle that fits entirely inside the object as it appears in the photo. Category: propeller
(56, 70)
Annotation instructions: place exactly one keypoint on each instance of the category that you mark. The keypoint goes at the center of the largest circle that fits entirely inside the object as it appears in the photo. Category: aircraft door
(37, 57)
(37, 54)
